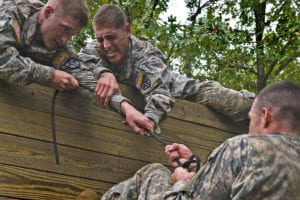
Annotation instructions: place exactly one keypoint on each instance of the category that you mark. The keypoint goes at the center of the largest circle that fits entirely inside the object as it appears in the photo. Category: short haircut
(110, 15)
(78, 9)
(283, 100)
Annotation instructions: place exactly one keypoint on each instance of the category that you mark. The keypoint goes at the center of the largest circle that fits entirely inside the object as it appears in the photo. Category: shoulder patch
(142, 81)
(16, 27)
(146, 83)
(60, 58)
(139, 79)
(64, 61)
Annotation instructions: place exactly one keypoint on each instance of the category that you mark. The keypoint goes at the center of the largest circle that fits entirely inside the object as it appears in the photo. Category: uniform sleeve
(149, 81)
(91, 59)
(88, 83)
(15, 68)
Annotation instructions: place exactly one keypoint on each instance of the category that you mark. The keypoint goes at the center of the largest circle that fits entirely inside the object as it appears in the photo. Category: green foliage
(242, 43)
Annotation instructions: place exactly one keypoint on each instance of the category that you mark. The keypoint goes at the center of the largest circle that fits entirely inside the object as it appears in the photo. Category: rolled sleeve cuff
(115, 103)
(156, 120)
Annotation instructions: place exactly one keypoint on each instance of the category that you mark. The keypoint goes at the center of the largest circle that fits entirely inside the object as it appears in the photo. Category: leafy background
(242, 44)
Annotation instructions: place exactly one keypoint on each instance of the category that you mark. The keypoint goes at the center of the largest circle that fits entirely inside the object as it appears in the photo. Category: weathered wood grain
(96, 149)
(25, 183)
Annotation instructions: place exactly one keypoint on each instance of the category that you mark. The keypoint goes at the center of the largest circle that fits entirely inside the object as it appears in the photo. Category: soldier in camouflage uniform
(34, 48)
(265, 164)
(141, 65)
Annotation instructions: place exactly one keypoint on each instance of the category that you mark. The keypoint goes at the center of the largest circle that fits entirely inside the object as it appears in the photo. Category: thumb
(125, 122)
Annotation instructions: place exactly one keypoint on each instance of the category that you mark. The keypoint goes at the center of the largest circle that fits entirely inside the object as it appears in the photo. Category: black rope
(53, 127)
(193, 159)
(56, 153)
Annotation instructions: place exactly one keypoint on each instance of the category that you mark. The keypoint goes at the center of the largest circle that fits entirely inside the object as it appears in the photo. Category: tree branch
(283, 65)
(273, 64)
(147, 24)
(199, 9)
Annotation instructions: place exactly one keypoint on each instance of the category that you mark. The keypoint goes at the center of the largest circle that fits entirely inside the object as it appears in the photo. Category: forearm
(158, 106)
(87, 85)
(22, 70)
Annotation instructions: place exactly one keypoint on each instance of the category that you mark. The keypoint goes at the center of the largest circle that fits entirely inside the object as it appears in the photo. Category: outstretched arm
(107, 84)
(136, 120)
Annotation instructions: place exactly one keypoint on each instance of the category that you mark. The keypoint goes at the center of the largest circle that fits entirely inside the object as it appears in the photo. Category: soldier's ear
(127, 27)
(267, 117)
(48, 11)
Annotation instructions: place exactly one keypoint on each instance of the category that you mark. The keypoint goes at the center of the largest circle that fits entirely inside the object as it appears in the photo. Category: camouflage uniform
(23, 60)
(145, 69)
(244, 167)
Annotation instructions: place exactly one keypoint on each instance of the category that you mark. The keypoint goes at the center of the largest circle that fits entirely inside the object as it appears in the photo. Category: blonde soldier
(264, 164)
(34, 46)
(141, 65)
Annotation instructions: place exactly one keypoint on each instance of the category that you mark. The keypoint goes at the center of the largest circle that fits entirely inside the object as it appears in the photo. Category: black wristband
(193, 159)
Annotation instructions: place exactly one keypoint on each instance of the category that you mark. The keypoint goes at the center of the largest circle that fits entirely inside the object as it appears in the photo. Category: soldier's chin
(51, 45)
(114, 59)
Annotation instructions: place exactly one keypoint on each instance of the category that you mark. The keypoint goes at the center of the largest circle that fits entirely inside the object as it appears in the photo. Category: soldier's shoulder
(91, 45)
(89, 49)
(21, 9)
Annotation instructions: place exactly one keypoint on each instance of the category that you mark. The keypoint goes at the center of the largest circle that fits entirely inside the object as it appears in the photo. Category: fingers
(73, 83)
(172, 148)
(139, 130)
(125, 122)
(104, 91)
(136, 129)
(101, 95)
(181, 174)
(64, 81)
(141, 126)
(136, 120)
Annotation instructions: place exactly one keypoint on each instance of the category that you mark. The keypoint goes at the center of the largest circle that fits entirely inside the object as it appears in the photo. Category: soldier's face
(56, 29)
(113, 43)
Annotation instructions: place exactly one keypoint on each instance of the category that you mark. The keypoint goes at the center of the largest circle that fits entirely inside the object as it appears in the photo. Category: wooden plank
(96, 149)
(23, 183)
(9, 198)
(38, 155)
(36, 125)
(73, 105)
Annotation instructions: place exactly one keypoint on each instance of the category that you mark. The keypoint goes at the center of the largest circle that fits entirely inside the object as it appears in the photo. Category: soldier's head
(276, 109)
(112, 33)
(59, 20)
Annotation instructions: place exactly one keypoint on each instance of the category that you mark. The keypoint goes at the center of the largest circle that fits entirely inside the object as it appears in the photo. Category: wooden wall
(96, 150)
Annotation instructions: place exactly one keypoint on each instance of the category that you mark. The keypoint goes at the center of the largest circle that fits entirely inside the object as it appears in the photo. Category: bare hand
(181, 174)
(177, 151)
(107, 85)
(63, 81)
(136, 120)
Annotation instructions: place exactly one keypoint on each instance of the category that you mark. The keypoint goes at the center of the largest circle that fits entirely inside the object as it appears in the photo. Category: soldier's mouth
(110, 51)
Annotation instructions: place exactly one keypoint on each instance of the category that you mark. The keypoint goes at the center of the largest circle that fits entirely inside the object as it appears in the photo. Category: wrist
(104, 73)
(124, 106)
